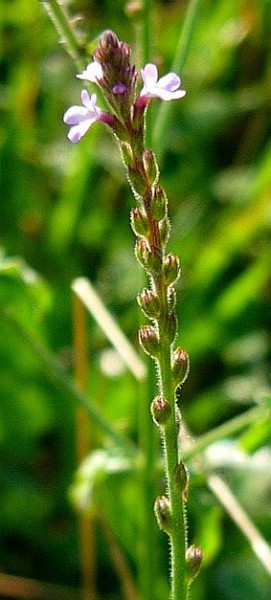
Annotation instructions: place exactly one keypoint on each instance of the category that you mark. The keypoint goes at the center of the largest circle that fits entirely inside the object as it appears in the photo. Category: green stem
(147, 561)
(55, 371)
(147, 567)
(183, 48)
(178, 540)
(60, 19)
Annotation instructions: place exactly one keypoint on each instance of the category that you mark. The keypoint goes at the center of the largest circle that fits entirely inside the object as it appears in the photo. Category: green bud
(142, 252)
(159, 204)
(149, 303)
(137, 181)
(148, 338)
(127, 154)
(164, 228)
(150, 166)
(160, 410)
(163, 513)
(139, 222)
(181, 480)
(149, 257)
(171, 299)
(193, 561)
(179, 366)
(171, 268)
(170, 327)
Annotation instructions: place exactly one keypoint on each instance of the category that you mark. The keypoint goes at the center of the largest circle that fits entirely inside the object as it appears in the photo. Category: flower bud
(127, 154)
(149, 303)
(137, 181)
(179, 366)
(164, 228)
(148, 257)
(139, 222)
(150, 166)
(181, 480)
(163, 513)
(171, 299)
(170, 328)
(159, 204)
(149, 340)
(142, 252)
(193, 561)
(160, 410)
(171, 267)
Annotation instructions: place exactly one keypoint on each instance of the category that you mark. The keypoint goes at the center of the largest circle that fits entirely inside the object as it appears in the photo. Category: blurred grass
(65, 211)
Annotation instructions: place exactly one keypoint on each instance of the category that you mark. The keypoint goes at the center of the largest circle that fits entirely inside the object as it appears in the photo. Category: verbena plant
(112, 70)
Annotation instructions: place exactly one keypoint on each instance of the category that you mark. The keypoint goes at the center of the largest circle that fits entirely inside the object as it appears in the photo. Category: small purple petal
(165, 88)
(119, 89)
(149, 74)
(82, 117)
(75, 114)
(169, 82)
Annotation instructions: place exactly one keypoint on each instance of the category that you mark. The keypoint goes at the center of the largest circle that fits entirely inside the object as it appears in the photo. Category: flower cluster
(112, 72)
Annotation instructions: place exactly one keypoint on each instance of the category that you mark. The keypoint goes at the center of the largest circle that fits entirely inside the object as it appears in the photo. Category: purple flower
(82, 117)
(165, 88)
(92, 73)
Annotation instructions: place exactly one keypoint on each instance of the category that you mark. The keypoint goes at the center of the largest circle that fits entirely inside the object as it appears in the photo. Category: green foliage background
(64, 213)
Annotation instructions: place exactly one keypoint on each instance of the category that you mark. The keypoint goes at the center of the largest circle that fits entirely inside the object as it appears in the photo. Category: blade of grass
(230, 503)
(86, 292)
(146, 475)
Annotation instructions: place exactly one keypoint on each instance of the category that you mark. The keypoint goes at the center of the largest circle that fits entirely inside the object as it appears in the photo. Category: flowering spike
(119, 77)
